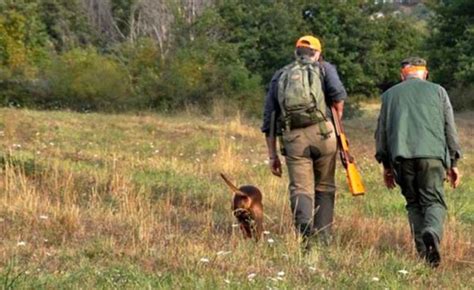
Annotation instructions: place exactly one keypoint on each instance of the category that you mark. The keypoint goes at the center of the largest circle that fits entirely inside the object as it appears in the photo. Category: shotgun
(354, 179)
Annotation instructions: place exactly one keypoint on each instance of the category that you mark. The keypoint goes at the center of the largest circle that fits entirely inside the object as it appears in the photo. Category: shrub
(201, 73)
(143, 61)
(462, 98)
(82, 79)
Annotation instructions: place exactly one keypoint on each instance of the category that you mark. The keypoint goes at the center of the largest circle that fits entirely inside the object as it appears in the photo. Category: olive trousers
(421, 181)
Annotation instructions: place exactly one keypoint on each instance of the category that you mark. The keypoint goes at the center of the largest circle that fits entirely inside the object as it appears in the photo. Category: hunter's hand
(275, 166)
(453, 177)
(388, 178)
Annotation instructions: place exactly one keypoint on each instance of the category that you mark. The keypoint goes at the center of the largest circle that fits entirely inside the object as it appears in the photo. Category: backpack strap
(281, 100)
(322, 76)
(323, 128)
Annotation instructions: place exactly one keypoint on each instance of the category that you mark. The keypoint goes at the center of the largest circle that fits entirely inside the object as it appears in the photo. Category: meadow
(135, 201)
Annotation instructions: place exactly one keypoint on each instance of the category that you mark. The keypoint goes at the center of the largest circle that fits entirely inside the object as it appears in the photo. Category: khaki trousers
(311, 162)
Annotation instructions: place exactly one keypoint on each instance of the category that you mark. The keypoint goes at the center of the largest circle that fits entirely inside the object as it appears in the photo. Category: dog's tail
(231, 185)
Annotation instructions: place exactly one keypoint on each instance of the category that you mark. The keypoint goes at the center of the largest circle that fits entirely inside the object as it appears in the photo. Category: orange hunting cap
(309, 42)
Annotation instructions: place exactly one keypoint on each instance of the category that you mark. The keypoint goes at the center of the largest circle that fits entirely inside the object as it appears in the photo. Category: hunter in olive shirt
(421, 124)
(417, 142)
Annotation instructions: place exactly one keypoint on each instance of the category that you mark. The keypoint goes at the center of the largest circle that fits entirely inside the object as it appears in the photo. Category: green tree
(67, 24)
(451, 44)
(23, 38)
(366, 51)
(263, 31)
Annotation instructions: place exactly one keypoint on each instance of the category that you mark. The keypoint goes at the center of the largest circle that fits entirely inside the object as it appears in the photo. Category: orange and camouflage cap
(413, 65)
(413, 61)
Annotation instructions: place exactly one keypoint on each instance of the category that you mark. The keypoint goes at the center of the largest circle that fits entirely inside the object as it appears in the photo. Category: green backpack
(301, 96)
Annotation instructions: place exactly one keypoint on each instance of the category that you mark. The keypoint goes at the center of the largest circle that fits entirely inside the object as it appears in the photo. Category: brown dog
(247, 208)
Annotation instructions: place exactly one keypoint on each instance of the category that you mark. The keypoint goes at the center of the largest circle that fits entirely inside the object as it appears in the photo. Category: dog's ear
(231, 185)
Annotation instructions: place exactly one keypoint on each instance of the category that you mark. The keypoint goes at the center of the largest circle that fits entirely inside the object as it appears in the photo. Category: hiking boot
(431, 241)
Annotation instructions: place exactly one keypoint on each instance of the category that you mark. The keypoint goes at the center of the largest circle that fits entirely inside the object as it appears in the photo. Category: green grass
(123, 201)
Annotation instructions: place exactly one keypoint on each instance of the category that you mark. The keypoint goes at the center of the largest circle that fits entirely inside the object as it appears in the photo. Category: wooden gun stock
(354, 179)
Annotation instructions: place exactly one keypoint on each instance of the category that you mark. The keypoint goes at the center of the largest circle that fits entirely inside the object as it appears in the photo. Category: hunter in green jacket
(417, 143)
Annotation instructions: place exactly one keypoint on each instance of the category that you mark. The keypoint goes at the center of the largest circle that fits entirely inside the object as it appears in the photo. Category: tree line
(115, 55)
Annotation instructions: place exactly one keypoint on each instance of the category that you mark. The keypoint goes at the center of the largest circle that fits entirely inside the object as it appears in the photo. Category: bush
(81, 79)
(203, 72)
(462, 98)
(143, 61)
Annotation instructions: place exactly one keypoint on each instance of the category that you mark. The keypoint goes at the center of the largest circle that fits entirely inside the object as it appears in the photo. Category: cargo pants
(311, 161)
(421, 181)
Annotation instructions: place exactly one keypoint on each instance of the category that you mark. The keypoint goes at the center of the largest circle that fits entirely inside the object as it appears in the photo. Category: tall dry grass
(83, 193)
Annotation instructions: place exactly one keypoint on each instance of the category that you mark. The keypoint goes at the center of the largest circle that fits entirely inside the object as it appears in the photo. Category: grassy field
(127, 201)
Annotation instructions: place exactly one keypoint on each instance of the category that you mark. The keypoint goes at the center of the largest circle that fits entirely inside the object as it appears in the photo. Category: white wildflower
(223, 253)
(403, 272)
(43, 217)
(266, 232)
(281, 274)
(251, 276)
(227, 281)
(312, 268)
(21, 244)
(204, 260)
(270, 241)
(375, 279)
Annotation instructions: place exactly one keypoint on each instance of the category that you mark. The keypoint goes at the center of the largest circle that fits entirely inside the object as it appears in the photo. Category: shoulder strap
(284, 74)
(322, 75)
